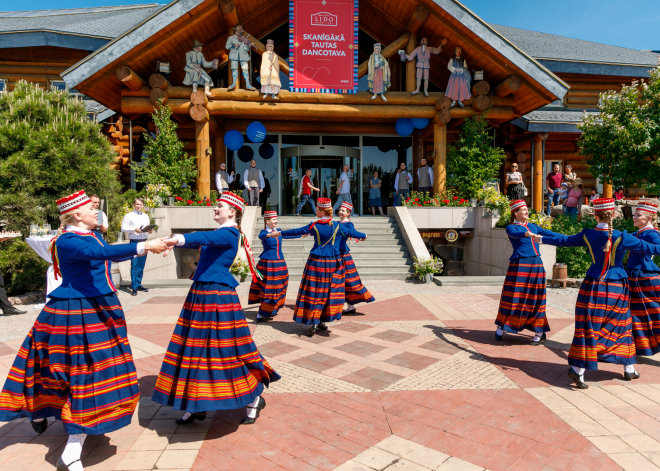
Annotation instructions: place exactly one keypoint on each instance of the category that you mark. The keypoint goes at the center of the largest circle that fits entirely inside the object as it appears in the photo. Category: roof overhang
(43, 37)
(545, 126)
(596, 68)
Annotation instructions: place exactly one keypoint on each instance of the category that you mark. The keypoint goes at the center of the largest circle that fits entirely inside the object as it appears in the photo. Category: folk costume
(76, 363)
(379, 75)
(458, 87)
(423, 55)
(239, 53)
(270, 72)
(270, 291)
(603, 324)
(522, 303)
(212, 362)
(644, 281)
(322, 293)
(355, 291)
(195, 65)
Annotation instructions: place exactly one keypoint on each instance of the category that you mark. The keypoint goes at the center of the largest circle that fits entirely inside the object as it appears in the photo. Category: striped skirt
(75, 365)
(355, 290)
(321, 293)
(603, 325)
(270, 292)
(522, 304)
(211, 362)
(645, 310)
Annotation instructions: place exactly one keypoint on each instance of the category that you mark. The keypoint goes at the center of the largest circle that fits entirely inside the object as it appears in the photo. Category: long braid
(654, 221)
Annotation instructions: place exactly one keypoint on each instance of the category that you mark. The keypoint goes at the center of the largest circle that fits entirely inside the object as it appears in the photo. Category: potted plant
(495, 202)
(240, 269)
(425, 268)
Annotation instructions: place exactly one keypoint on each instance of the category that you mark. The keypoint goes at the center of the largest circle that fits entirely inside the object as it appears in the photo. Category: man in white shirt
(425, 178)
(402, 183)
(343, 189)
(102, 219)
(222, 180)
(253, 179)
(132, 225)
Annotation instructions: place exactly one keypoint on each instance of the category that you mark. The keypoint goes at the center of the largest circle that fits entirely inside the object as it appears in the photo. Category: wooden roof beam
(378, 11)
(129, 78)
(508, 86)
(417, 19)
(388, 52)
(228, 10)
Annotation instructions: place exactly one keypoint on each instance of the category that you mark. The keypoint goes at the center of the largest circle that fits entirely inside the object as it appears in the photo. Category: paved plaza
(414, 381)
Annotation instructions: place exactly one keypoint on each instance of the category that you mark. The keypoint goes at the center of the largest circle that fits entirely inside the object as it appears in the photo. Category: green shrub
(21, 267)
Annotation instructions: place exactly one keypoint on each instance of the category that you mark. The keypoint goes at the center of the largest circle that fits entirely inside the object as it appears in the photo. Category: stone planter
(443, 218)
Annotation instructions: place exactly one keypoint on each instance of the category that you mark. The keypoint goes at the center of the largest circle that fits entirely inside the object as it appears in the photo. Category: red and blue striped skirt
(270, 292)
(75, 365)
(645, 310)
(603, 325)
(322, 293)
(211, 362)
(355, 290)
(522, 304)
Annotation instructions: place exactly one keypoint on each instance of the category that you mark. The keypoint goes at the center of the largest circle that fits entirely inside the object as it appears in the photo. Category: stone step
(383, 249)
(376, 230)
(370, 274)
(401, 255)
(360, 263)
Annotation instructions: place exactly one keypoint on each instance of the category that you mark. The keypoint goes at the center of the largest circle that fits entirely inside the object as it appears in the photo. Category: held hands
(156, 245)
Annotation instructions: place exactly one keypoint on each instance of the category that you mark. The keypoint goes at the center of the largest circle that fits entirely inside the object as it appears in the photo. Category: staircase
(383, 256)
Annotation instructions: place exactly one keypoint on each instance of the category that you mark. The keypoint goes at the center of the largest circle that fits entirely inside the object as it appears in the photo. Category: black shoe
(576, 379)
(39, 427)
(498, 337)
(260, 319)
(196, 416)
(261, 405)
(142, 288)
(13, 310)
(539, 342)
(311, 331)
(631, 376)
(64, 467)
(322, 327)
(134, 292)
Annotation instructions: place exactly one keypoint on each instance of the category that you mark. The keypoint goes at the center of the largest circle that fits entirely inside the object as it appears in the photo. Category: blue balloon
(245, 153)
(420, 123)
(404, 127)
(266, 151)
(233, 140)
(256, 132)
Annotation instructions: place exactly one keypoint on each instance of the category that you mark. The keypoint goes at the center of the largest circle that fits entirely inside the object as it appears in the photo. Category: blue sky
(626, 23)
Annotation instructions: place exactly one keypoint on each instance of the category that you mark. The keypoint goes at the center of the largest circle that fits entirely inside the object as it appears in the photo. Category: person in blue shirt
(76, 363)
(321, 295)
(644, 281)
(212, 362)
(522, 303)
(603, 323)
(270, 291)
(356, 292)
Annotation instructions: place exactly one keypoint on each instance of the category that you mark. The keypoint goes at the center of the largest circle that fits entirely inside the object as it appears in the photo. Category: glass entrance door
(325, 175)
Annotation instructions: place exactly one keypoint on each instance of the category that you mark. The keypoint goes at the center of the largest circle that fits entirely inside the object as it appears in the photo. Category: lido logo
(324, 19)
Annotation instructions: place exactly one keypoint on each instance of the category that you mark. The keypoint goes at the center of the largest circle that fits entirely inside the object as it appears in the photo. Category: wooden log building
(534, 90)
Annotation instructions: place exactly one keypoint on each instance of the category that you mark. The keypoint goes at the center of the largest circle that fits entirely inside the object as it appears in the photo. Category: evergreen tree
(166, 162)
(473, 160)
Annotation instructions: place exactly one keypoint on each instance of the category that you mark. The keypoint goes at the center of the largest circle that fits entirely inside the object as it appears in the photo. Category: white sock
(537, 337)
(252, 408)
(186, 415)
(38, 420)
(258, 316)
(580, 372)
(72, 451)
(629, 369)
(499, 331)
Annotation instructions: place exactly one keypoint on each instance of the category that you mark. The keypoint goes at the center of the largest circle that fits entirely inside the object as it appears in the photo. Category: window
(57, 85)
(3, 85)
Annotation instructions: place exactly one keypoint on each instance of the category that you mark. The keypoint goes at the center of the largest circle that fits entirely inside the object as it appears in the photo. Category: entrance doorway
(326, 164)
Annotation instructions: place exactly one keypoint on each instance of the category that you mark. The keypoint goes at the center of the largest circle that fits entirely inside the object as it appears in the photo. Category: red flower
(446, 201)
(416, 199)
(208, 204)
(455, 197)
(178, 198)
(189, 202)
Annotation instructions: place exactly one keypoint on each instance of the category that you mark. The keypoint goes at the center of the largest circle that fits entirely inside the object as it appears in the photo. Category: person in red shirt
(306, 188)
(553, 184)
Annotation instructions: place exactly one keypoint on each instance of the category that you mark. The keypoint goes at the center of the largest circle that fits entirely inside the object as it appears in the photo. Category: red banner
(323, 46)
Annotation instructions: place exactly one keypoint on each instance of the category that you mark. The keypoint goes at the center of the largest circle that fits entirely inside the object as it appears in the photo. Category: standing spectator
(425, 175)
(575, 199)
(305, 192)
(553, 184)
(514, 184)
(253, 179)
(374, 194)
(101, 218)
(594, 195)
(619, 194)
(569, 176)
(222, 180)
(402, 183)
(343, 190)
(5, 305)
(132, 224)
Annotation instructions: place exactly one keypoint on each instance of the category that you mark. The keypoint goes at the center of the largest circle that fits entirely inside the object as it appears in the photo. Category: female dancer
(212, 362)
(76, 363)
(644, 280)
(522, 304)
(355, 291)
(321, 293)
(270, 292)
(603, 324)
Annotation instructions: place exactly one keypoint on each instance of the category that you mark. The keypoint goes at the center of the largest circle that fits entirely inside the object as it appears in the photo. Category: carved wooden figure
(270, 72)
(239, 52)
(195, 64)
(458, 87)
(423, 55)
(379, 77)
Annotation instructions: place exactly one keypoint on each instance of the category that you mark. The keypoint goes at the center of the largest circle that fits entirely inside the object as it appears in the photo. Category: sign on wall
(323, 46)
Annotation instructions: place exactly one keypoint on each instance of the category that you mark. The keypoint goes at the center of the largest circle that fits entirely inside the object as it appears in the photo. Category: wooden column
(440, 159)
(607, 190)
(537, 194)
(202, 142)
(411, 66)
(417, 154)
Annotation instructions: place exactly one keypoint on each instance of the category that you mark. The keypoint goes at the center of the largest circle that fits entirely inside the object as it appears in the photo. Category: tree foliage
(473, 160)
(622, 143)
(166, 162)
